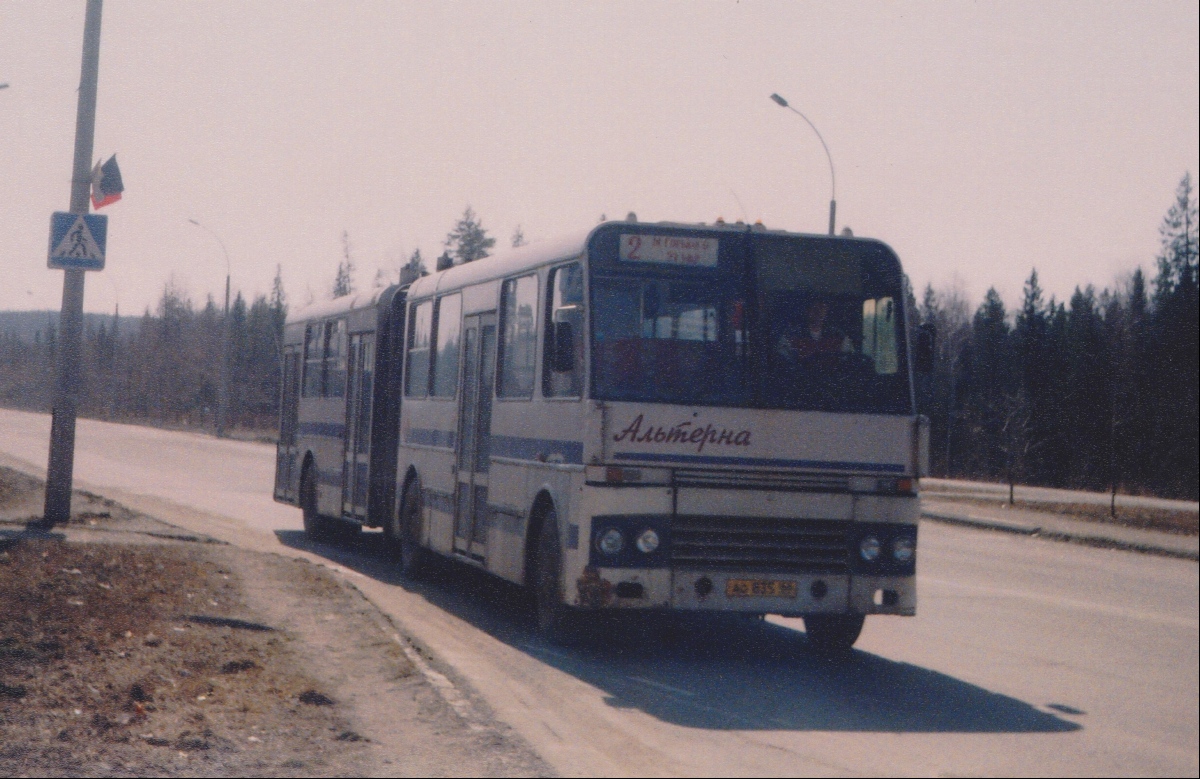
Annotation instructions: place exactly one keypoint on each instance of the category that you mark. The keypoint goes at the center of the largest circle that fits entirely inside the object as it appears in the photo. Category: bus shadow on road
(720, 672)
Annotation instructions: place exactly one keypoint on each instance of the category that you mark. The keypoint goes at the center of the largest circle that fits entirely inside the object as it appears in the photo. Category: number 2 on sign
(635, 244)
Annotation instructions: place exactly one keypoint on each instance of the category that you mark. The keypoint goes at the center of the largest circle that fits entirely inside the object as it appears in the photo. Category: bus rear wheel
(316, 527)
(832, 635)
(555, 621)
(404, 536)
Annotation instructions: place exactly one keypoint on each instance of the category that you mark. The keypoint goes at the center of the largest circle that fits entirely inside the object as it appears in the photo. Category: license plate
(759, 588)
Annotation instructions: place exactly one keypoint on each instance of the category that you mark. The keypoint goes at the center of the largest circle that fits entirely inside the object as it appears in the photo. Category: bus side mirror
(564, 347)
(923, 354)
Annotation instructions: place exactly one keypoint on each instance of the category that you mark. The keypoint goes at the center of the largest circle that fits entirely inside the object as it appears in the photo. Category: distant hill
(31, 326)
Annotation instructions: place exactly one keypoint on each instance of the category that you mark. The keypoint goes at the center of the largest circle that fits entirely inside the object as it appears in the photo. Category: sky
(980, 140)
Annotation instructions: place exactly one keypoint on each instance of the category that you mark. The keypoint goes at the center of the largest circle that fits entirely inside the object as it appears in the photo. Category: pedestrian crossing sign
(77, 241)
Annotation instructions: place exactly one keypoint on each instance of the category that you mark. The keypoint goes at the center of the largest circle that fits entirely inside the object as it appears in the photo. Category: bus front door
(474, 436)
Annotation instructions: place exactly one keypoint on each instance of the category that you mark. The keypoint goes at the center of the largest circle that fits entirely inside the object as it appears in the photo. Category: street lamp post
(832, 179)
(223, 389)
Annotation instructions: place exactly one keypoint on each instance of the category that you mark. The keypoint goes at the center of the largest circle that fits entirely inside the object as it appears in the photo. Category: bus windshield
(780, 322)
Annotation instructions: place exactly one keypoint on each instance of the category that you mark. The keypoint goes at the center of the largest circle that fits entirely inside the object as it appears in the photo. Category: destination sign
(669, 249)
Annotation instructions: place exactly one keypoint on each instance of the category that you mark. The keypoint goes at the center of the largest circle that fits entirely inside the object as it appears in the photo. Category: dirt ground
(129, 648)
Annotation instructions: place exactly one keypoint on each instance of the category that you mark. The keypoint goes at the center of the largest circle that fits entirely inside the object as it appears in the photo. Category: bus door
(474, 436)
(289, 407)
(357, 444)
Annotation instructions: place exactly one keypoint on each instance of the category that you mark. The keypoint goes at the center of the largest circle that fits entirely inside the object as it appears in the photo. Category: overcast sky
(978, 139)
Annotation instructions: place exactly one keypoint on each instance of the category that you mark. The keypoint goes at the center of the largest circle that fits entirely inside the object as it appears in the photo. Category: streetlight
(832, 179)
(223, 389)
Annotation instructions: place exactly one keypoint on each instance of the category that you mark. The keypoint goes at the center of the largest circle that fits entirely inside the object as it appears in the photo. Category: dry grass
(1165, 520)
(118, 660)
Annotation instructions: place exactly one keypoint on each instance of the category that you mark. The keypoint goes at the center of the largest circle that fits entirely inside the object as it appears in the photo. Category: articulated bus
(648, 416)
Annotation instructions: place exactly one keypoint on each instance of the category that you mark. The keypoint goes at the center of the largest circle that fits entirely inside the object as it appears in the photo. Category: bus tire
(316, 527)
(405, 540)
(555, 621)
(832, 635)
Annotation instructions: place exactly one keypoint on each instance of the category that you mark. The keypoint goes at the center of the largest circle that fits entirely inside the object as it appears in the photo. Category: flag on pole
(106, 183)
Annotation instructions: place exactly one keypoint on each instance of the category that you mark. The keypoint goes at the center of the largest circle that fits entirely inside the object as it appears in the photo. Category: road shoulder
(376, 711)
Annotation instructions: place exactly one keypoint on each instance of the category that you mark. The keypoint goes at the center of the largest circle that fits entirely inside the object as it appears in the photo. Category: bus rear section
(339, 412)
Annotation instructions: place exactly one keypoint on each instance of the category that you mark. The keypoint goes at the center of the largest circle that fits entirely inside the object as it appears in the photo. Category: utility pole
(60, 469)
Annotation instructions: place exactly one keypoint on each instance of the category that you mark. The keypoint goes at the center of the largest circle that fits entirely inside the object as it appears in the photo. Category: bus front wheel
(554, 621)
(833, 634)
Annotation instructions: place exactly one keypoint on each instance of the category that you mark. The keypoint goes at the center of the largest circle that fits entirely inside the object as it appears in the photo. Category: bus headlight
(611, 541)
(903, 549)
(648, 541)
(869, 549)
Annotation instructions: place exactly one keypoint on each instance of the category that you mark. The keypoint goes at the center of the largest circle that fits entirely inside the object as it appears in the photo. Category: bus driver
(799, 343)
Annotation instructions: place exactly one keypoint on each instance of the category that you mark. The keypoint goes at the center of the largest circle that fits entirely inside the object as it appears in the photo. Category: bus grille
(758, 544)
(761, 480)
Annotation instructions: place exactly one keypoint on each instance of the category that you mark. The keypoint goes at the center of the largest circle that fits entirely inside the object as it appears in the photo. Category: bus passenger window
(313, 357)
(334, 371)
(416, 373)
(518, 344)
(448, 325)
(564, 318)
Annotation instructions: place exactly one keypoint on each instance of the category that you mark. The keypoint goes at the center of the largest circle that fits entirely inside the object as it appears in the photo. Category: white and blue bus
(651, 416)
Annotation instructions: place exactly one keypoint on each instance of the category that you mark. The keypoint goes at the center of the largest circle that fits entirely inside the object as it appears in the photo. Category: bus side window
(518, 343)
(416, 373)
(447, 324)
(334, 371)
(313, 360)
(562, 373)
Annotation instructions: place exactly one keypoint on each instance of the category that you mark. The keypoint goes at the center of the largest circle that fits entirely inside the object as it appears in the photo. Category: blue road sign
(77, 241)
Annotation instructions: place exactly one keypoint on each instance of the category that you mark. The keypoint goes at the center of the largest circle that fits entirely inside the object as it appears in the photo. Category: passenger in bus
(814, 337)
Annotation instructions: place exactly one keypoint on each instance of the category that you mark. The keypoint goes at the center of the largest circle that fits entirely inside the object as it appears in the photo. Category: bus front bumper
(753, 593)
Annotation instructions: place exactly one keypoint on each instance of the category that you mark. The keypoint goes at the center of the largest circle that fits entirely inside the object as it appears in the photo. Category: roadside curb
(1102, 542)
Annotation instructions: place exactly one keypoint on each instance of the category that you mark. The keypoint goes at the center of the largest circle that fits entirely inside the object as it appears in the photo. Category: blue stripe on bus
(537, 449)
(439, 501)
(327, 429)
(761, 462)
(424, 437)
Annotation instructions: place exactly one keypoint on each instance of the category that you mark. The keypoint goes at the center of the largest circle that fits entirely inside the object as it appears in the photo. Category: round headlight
(869, 549)
(611, 541)
(648, 541)
(903, 549)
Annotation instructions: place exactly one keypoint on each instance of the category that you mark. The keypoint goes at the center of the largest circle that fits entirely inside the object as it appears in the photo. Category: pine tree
(343, 283)
(468, 241)
(1174, 363)
(518, 238)
(413, 269)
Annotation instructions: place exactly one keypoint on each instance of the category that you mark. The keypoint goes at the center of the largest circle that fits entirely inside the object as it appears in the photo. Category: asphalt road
(1027, 656)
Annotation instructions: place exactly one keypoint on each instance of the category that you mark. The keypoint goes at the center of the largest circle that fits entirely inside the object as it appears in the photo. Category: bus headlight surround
(648, 541)
(611, 541)
(869, 548)
(903, 549)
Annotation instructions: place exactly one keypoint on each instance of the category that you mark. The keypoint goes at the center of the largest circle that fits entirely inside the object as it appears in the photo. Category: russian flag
(106, 183)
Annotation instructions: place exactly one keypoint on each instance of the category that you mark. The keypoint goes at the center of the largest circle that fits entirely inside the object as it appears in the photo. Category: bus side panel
(508, 518)
(322, 432)
(429, 429)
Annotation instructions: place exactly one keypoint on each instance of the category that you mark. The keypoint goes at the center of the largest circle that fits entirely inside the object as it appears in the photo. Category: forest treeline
(1092, 392)
(1096, 391)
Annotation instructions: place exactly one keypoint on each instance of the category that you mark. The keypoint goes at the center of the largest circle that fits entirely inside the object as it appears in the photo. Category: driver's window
(879, 333)
(564, 306)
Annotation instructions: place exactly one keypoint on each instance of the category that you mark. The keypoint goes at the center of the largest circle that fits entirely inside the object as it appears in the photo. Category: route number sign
(669, 249)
